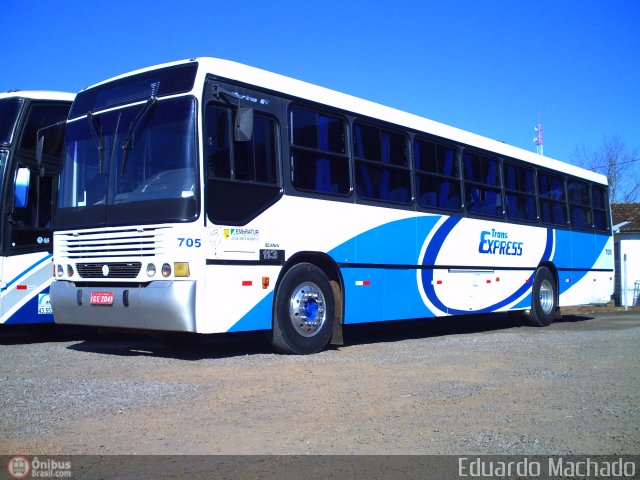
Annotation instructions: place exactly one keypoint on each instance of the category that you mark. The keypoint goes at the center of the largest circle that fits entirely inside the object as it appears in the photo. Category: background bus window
(318, 152)
(9, 110)
(382, 170)
(520, 193)
(41, 116)
(483, 193)
(32, 200)
(31, 213)
(437, 175)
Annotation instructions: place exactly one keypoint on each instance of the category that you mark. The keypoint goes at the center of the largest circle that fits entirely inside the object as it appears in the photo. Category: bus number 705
(189, 242)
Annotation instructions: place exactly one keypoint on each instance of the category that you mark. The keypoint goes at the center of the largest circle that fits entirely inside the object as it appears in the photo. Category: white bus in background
(208, 196)
(28, 191)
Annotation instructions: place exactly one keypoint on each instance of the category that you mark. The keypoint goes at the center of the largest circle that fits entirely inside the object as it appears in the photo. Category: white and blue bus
(208, 196)
(27, 192)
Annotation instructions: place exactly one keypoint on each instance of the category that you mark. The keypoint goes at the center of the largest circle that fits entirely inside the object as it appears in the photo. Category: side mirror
(243, 128)
(21, 188)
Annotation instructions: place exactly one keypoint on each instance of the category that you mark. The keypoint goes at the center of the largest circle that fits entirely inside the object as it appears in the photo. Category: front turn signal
(181, 269)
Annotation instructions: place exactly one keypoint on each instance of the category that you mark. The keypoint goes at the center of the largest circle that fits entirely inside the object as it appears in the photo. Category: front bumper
(160, 305)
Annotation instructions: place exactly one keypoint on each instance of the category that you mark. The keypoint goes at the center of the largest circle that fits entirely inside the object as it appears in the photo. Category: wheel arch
(330, 268)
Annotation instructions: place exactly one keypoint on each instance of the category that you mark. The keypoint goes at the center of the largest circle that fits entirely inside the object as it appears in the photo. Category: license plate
(101, 298)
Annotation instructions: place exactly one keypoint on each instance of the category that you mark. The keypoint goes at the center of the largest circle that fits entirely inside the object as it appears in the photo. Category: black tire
(304, 311)
(543, 298)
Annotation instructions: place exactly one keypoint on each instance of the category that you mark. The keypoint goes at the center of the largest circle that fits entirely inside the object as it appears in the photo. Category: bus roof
(39, 95)
(324, 96)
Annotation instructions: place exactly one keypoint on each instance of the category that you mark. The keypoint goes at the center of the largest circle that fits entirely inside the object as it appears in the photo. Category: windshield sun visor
(157, 83)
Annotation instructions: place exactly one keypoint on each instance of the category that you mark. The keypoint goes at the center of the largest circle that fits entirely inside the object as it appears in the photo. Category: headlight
(166, 270)
(151, 270)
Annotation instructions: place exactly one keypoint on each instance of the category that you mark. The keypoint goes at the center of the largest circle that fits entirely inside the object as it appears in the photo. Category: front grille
(117, 244)
(113, 270)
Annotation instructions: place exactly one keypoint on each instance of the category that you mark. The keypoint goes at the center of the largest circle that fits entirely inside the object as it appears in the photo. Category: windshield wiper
(131, 137)
(93, 126)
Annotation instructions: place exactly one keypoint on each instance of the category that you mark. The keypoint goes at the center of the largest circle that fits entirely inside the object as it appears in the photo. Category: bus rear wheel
(304, 311)
(543, 301)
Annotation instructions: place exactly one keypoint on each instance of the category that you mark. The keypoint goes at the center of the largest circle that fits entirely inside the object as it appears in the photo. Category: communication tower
(539, 140)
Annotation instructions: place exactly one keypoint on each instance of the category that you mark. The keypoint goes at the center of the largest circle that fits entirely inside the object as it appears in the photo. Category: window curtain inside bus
(557, 193)
(364, 184)
(445, 186)
(470, 177)
(491, 195)
(323, 165)
(530, 202)
(511, 198)
(386, 159)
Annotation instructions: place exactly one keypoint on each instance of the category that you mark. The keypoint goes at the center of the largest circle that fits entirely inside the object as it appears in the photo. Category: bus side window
(553, 205)
(483, 192)
(318, 152)
(599, 201)
(218, 142)
(382, 169)
(579, 204)
(519, 192)
(242, 176)
(437, 176)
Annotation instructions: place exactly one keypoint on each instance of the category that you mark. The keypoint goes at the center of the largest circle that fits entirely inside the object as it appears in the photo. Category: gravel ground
(470, 385)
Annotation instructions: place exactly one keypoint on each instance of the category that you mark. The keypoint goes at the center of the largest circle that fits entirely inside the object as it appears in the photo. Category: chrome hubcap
(307, 309)
(546, 296)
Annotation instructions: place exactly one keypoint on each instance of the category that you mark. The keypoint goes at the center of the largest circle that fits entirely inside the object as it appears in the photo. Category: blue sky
(490, 67)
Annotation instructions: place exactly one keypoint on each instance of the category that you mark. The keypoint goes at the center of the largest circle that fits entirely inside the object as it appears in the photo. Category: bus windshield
(135, 165)
(9, 110)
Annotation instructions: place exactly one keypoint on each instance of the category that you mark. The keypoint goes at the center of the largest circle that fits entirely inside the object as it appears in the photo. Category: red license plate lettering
(101, 298)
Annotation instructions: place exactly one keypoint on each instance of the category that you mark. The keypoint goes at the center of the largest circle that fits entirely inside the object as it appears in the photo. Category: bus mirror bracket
(40, 152)
(243, 129)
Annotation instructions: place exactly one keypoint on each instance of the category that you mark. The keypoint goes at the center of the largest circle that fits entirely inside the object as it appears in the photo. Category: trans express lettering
(498, 243)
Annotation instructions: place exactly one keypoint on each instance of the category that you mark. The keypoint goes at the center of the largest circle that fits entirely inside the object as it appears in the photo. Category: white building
(626, 221)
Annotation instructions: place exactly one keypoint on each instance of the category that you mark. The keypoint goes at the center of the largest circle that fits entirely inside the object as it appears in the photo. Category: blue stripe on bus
(432, 253)
(28, 313)
(258, 318)
(561, 248)
(580, 250)
(32, 267)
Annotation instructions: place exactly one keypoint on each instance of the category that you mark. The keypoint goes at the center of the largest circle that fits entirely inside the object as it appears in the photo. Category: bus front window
(9, 110)
(4, 154)
(129, 166)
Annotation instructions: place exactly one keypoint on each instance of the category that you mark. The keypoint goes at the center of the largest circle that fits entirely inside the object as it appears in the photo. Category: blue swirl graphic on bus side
(431, 254)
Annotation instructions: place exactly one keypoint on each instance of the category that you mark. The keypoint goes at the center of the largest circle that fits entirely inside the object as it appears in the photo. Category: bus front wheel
(543, 301)
(304, 311)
